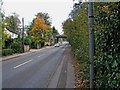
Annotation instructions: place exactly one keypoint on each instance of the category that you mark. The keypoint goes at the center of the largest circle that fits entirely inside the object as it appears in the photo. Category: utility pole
(1, 3)
(91, 42)
(22, 34)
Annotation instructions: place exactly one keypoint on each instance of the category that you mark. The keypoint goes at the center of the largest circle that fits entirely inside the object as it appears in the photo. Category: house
(13, 35)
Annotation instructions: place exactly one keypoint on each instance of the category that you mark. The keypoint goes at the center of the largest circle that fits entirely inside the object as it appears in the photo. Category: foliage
(17, 45)
(34, 45)
(27, 41)
(8, 42)
(29, 28)
(107, 51)
(12, 23)
(6, 52)
(1, 27)
(45, 16)
(54, 30)
(76, 29)
(107, 42)
(5, 37)
(39, 29)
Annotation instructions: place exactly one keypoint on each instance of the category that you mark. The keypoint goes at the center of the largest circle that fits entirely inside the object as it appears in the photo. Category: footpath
(20, 54)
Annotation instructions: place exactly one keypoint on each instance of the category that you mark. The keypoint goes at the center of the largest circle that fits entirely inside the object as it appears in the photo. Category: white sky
(58, 10)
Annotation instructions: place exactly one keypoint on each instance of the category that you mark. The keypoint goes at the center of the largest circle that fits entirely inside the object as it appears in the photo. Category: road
(46, 68)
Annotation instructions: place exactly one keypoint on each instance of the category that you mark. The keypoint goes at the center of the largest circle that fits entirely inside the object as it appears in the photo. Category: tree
(45, 16)
(38, 31)
(5, 35)
(76, 29)
(54, 30)
(12, 23)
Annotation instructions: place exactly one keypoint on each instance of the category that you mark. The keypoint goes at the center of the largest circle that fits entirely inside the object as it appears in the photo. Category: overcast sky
(58, 10)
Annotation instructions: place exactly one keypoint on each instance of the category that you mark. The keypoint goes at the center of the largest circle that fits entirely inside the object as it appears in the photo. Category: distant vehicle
(57, 45)
(65, 42)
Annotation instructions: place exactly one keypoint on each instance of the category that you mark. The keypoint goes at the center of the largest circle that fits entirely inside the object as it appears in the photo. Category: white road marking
(23, 64)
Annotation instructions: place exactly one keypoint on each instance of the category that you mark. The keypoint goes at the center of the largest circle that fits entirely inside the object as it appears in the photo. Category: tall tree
(5, 35)
(39, 30)
(45, 16)
(12, 23)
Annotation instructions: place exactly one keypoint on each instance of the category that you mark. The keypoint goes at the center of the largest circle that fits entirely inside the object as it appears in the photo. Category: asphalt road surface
(46, 68)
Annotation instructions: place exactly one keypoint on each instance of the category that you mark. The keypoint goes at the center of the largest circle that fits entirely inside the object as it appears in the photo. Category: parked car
(56, 45)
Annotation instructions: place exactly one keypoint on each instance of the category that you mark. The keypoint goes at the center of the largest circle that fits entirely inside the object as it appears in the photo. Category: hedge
(107, 45)
(6, 52)
(76, 30)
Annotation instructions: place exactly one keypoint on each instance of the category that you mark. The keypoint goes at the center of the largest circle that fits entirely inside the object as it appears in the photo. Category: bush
(27, 41)
(6, 52)
(8, 43)
(33, 45)
(17, 45)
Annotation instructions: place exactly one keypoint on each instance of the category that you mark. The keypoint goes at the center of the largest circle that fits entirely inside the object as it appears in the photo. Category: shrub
(27, 41)
(33, 45)
(6, 52)
(8, 43)
(17, 45)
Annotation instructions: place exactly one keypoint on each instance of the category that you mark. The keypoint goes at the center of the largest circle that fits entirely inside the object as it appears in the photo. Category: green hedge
(6, 52)
(107, 45)
(76, 30)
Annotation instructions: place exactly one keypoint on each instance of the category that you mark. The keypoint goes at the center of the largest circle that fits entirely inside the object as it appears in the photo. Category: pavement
(3, 58)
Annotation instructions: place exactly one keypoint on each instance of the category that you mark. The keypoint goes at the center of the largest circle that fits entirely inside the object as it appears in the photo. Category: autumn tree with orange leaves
(39, 30)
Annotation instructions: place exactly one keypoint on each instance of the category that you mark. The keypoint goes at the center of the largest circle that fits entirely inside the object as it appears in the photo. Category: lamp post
(91, 42)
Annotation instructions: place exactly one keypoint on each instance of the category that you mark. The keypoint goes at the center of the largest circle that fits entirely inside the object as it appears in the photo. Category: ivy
(107, 42)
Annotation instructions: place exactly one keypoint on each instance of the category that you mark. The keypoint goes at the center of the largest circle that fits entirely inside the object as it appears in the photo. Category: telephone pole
(1, 3)
(91, 42)
(22, 34)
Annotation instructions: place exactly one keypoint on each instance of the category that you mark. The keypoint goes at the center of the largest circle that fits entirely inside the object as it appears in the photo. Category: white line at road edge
(22, 64)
